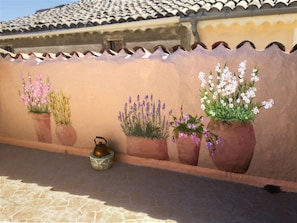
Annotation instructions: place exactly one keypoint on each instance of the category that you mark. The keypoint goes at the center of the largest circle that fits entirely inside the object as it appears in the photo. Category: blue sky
(12, 9)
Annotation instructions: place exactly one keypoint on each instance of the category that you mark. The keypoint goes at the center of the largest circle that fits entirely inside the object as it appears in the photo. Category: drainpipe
(194, 29)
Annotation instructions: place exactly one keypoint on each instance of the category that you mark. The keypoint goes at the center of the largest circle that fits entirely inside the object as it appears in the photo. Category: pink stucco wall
(99, 87)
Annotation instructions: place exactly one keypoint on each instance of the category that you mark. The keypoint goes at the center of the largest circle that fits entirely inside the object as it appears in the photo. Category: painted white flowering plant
(144, 118)
(229, 96)
(35, 95)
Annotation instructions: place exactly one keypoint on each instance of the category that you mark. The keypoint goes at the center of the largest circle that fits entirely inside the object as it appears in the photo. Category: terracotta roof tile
(87, 13)
(159, 51)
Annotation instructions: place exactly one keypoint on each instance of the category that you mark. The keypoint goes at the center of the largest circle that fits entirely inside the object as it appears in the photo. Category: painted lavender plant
(144, 118)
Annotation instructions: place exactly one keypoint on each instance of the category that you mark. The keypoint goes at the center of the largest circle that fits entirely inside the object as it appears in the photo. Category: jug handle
(99, 137)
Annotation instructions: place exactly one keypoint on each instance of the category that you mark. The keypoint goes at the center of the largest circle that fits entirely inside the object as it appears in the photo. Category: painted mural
(42, 105)
(181, 107)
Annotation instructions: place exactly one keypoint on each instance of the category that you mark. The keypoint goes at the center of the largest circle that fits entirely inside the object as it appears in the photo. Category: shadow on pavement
(161, 194)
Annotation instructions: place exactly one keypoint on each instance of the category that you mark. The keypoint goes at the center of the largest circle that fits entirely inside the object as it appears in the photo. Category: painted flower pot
(66, 135)
(102, 163)
(147, 148)
(188, 151)
(42, 125)
(236, 149)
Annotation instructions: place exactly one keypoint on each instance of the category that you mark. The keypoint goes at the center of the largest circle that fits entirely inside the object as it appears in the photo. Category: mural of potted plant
(187, 132)
(146, 128)
(227, 98)
(35, 97)
(60, 108)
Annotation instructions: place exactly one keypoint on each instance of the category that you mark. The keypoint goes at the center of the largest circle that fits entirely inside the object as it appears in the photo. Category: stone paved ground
(39, 186)
(28, 202)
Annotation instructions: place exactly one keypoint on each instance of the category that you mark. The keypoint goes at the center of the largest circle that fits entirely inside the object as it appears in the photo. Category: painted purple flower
(194, 126)
(209, 144)
(181, 135)
(206, 134)
(120, 116)
(218, 141)
(213, 152)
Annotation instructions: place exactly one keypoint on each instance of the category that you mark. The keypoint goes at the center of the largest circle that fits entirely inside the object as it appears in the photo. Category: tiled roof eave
(94, 13)
(238, 14)
(200, 16)
(101, 28)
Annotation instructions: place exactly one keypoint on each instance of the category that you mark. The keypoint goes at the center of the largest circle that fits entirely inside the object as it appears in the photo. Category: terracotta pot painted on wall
(147, 148)
(42, 125)
(188, 151)
(236, 150)
(66, 135)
